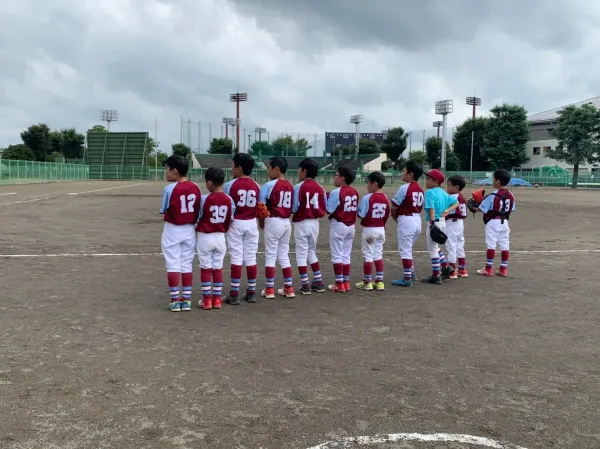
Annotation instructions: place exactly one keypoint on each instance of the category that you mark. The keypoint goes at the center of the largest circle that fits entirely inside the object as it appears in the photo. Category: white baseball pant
(432, 247)
(455, 245)
(277, 235)
(306, 234)
(372, 251)
(178, 245)
(211, 249)
(497, 234)
(242, 242)
(341, 238)
(409, 230)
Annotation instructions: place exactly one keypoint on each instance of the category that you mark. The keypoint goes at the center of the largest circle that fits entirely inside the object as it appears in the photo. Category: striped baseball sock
(435, 267)
(217, 282)
(206, 282)
(504, 259)
(270, 277)
(236, 277)
(408, 269)
(173, 282)
(288, 280)
(443, 261)
(316, 269)
(490, 256)
(304, 275)
(379, 270)
(251, 274)
(367, 272)
(346, 272)
(187, 280)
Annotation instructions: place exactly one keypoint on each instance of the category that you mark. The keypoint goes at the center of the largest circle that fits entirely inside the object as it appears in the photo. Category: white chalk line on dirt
(102, 190)
(26, 201)
(10, 193)
(56, 255)
(399, 437)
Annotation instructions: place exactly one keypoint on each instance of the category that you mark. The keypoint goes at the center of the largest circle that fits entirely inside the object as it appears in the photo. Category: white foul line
(102, 190)
(26, 201)
(56, 255)
(10, 193)
(397, 437)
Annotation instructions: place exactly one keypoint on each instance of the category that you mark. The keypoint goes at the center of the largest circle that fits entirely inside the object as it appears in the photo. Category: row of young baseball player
(228, 218)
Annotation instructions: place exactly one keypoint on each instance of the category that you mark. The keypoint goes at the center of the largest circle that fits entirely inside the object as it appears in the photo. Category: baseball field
(90, 357)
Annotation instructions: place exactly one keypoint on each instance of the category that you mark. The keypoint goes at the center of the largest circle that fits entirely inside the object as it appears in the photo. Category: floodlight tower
(237, 98)
(108, 116)
(444, 108)
(260, 132)
(474, 101)
(356, 119)
(438, 125)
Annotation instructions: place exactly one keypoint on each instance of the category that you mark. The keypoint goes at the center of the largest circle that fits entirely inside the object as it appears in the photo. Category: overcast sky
(307, 65)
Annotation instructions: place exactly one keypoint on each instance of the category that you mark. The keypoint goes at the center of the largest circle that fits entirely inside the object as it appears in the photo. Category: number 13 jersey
(342, 205)
(216, 213)
(409, 199)
(244, 192)
(181, 203)
(277, 195)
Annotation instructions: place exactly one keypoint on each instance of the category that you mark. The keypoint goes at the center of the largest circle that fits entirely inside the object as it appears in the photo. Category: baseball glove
(370, 240)
(472, 205)
(437, 235)
(262, 212)
(475, 200)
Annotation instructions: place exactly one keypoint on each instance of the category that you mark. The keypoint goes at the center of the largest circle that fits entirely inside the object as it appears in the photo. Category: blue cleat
(402, 283)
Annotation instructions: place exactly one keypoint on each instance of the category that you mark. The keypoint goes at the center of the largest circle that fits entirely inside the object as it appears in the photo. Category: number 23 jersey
(277, 195)
(181, 203)
(342, 205)
(216, 213)
(244, 192)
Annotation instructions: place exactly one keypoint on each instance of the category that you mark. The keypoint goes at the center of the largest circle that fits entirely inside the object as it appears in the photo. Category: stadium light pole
(443, 108)
(438, 125)
(474, 101)
(356, 119)
(237, 98)
(108, 116)
(227, 121)
(260, 132)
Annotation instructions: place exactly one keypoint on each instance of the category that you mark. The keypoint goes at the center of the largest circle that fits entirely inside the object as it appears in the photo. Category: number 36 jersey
(277, 196)
(409, 199)
(216, 212)
(181, 203)
(342, 205)
(244, 192)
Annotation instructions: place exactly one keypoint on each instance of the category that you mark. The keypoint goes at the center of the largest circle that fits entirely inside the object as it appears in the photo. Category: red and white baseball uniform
(216, 214)
(308, 207)
(455, 229)
(496, 208)
(374, 211)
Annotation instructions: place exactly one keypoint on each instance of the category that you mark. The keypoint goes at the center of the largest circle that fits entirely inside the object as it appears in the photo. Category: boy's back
(378, 210)
(180, 204)
(216, 212)
(342, 205)
(310, 200)
(244, 192)
(277, 196)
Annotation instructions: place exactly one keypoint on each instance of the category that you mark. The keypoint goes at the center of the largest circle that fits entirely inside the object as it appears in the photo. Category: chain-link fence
(22, 172)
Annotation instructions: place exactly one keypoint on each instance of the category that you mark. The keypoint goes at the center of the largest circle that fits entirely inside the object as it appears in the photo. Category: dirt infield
(91, 358)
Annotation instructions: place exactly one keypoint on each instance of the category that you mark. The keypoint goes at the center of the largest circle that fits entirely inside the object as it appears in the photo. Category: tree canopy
(181, 149)
(462, 144)
(433, 148)
(221, 145)
(506, 135)
(394, 143)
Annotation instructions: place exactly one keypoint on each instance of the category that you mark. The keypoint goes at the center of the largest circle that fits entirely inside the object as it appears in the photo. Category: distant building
(541, 140)
(336, 140)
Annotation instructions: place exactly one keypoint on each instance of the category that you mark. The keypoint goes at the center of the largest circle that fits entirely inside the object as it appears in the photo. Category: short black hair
(244, 161)
(179, 163)
(377, 177)
(503, 176)
(311, 167)
(457, 181)
(348, 174)
(215, 175)
(279, 162)
(415, 168)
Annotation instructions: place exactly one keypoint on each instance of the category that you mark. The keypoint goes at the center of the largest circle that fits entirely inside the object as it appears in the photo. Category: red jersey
(309, 201)
(216, 213)
(244, 192)
(461, 211)
(342, 205)
(497, 205)
(277, 195)
(374, 209)
(409, 199)
(181, 203)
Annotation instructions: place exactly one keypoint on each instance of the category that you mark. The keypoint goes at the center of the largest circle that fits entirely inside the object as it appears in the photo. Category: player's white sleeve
(296, 203)
(400, 195)
(232, 208)
(227, 187)
(363, 206)
(333, 201)
(166, 197)
(265, 191)
(451, 200)
(487, 204)
(514, 208)
(202, 201)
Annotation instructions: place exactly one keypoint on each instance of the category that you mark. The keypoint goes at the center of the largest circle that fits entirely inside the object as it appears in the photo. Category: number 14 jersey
(309, 201)
(216, 213)
(181, 203)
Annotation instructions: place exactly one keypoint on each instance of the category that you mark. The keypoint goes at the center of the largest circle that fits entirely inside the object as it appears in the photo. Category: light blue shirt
(438, 200)
(265, 190)
(227, 186)
(400, 195)
(333, 201)
(166, 197)
(296, 203)
(363, 207)
(488, 203)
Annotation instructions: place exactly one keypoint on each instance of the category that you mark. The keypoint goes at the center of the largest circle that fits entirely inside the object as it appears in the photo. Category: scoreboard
(336, 140)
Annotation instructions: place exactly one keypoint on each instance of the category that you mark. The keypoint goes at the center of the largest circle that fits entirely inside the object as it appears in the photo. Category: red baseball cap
(436, 175)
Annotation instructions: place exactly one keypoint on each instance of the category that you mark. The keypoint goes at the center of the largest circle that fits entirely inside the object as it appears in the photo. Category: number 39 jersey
(374, 209)
(342, 205)
(277, 195)
(309, 201)
(244, 192)
(216, 212)
(409, 199)
(181, 203)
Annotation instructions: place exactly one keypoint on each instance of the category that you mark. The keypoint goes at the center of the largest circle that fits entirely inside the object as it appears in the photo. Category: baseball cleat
(205, 303)
(485, 272)
(268, 293)
(337, 288)
(402, 283)
(250, 297)
(186, 305)
(447, 272)
(367, 286)
(318, 287)
(232, 300)
(502, 272)
(288, 292)
(347, 286)
(453, 275)
(175, 306)
(379, 286)
(463, 273)
(436, 280)
(216, 302)
(305, 289)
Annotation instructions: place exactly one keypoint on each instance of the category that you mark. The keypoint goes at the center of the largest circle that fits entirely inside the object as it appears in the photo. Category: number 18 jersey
(342, 205)
(244, 192)
(409, 199)
(181, 203)
(216, 213)
(277, 195)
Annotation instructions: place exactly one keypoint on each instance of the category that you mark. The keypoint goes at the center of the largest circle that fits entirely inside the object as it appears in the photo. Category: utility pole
(237, 98)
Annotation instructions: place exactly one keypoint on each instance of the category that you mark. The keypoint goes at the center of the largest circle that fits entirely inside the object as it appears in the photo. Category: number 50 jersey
(342, 205)
(216, 213)
(181, 203)
(409, 199)
(244, 192)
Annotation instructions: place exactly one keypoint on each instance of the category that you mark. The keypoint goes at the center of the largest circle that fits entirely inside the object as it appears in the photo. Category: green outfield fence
(24, 172)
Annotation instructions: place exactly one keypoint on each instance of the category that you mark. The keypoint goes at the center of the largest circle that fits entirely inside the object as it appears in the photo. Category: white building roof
(552, 114)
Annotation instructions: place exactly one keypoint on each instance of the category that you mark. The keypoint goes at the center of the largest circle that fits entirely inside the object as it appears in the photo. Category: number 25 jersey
(342, 205)
(216, 213)
(181, 203)
(409, 199)
(277, 195)
(244, 192)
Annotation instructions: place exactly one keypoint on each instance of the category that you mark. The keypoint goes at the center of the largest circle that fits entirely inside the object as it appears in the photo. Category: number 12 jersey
(181, 203)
